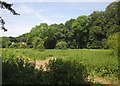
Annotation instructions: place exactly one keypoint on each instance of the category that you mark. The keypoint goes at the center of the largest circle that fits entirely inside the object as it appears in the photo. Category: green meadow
(99, 62)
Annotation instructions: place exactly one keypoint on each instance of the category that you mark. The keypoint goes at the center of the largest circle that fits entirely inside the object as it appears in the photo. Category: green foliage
(37, 41)
(50, 43)
(22, 46)
(66, 72)
(80, 31)
(18, 45)
(113, 42)
(69, 23)
(69, 70)
(103, 25)
(98, 30)
(40, 47)
(98, 62)
(61, 45)
(20, 71)
(84, 32)
(5, 41)
(14, 45)
(13, 39)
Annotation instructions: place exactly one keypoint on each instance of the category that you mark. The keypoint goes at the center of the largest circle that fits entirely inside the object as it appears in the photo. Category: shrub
(40, 47)
(30, 46)
(61, 45)
(113, 42)
(15, 45)
(22, 46)
(20, 71)
(65, 72)
(9, 43)
(37, 41)
(5, 42)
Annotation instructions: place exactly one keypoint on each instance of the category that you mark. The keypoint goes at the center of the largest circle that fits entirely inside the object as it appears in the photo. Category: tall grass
(99, 62)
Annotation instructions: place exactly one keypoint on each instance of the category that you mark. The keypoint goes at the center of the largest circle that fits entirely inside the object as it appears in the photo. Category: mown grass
(99, 62)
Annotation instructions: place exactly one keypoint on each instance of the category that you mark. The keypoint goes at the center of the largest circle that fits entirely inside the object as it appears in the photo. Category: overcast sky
(34, 13)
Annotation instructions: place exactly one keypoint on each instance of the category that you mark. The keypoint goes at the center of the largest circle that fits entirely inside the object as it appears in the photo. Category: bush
(61, 45)
(23, 71)
(37, 41)
(30, 46)
(15, 45)
(113, 42)
(40, 47)
(65, 72)
(20, 71)
(5, 42)
(22, 46)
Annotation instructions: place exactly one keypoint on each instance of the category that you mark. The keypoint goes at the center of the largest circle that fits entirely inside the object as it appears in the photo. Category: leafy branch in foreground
(5, 5)
(2, 24)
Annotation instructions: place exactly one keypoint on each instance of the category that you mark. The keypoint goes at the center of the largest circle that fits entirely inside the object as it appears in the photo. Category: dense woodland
(97, 30)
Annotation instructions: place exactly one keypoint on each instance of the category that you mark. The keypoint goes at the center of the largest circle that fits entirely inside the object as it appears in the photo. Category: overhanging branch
(4, 5)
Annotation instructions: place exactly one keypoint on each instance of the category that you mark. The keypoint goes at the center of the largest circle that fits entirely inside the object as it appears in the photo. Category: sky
(34, 13)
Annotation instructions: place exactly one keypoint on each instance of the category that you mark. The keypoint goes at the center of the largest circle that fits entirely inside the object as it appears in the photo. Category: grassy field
(98, 62)
(69, 53)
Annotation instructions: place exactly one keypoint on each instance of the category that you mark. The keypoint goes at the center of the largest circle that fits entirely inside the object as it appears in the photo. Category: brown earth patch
(43, 63)
(102, 80)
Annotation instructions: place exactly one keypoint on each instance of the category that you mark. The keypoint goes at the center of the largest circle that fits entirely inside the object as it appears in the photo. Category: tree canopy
(92, 31)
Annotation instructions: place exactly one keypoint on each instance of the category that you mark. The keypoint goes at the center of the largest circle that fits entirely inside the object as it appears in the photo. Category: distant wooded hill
(98, 30)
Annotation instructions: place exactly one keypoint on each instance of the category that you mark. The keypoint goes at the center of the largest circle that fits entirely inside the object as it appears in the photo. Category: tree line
(99, 30)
